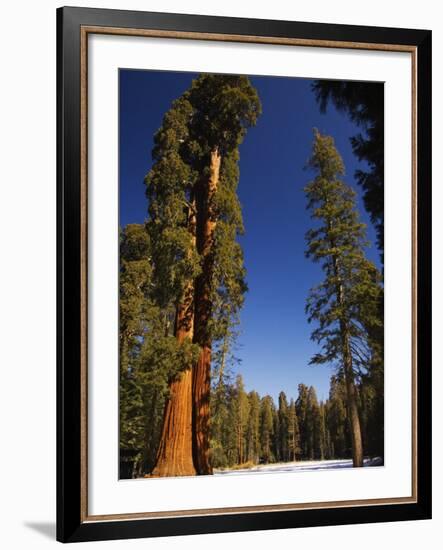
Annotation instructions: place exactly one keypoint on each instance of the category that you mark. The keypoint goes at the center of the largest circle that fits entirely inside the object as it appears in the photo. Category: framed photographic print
(244, 271)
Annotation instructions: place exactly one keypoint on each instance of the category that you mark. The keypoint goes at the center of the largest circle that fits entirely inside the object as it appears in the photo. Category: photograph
(223, 248)
(251, 274)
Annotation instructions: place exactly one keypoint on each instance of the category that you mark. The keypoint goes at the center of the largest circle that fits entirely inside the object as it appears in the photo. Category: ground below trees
(301, 466)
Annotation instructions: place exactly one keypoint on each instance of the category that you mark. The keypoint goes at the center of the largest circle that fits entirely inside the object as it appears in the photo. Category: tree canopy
(365, 106)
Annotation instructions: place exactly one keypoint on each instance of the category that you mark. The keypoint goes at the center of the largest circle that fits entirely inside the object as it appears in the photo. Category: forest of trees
(248, 429)
(182, 285)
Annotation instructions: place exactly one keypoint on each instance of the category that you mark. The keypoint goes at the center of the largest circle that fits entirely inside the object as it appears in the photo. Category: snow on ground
(301, 466)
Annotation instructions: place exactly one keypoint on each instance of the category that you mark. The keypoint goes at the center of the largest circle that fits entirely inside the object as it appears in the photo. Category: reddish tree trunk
(174, 455)
(201, 381)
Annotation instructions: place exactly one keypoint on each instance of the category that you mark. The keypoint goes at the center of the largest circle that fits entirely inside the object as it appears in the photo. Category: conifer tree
(283, 436)
(311, 411)
(222, 428)
(313, 426)
(275, 440)
(195, 218)
(253, 428)
(320, 431)
(327, 434)
(364, 105)
(241, 411)
(266, 428)
(224, 106)
(345, 303)
(149, 354)
(302, 416)
(134, 278)
(337, 418)
(293, 432)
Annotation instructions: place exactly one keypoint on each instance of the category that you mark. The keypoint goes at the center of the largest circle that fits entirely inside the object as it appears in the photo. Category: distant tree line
(248, 429)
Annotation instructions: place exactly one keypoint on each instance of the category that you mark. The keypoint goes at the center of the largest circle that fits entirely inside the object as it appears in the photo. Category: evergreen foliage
(349, 295)
(248, 429)
(149, 352)
(364, 105)
(196, 277)
(293, 432)
(345, 305)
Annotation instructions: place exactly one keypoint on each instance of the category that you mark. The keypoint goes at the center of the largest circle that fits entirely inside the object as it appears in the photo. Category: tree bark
(351, 397)
(354, 419)
(174, 455)
(201, 380)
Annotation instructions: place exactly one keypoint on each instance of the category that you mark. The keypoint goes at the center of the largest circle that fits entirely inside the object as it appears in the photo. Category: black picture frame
(71, 526)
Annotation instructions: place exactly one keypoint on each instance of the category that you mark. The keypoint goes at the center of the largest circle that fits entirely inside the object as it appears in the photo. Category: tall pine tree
(283, 420)
(345, 303)
(267, 410)
(253, 428)
(301, 406)
(293, 432)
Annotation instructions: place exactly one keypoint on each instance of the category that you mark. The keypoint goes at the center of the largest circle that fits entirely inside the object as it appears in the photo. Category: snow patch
(301, 466)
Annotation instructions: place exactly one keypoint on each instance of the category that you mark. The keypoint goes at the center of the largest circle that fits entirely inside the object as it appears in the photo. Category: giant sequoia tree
(171, 227)
(345, 304)
(194, 220)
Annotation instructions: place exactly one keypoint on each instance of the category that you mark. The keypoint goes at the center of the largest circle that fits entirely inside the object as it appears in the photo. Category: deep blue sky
(274, 345)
